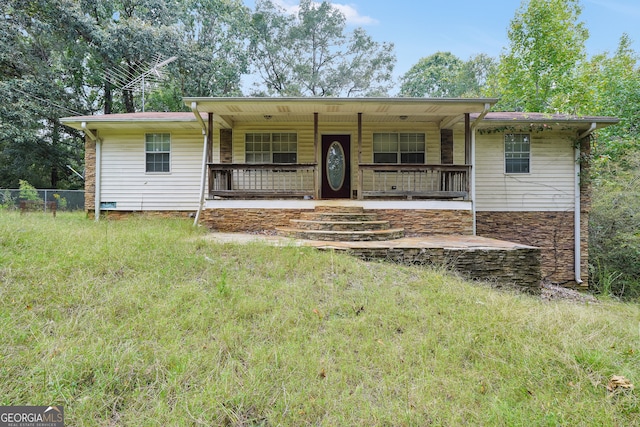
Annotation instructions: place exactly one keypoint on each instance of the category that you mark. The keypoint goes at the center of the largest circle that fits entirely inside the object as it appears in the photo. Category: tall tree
(444, 75)
(55, 58)
(539, 70)
(212, 54)
(614, 88)
(311, 54)
(37, 87)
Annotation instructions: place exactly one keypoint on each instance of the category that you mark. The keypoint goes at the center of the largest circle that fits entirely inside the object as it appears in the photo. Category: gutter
(98, 182)
(577, 259)
(194, 108)
(473, 126)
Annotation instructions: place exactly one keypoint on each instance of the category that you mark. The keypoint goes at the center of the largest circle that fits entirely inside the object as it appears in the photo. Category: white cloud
(348, 10)
(352, 15)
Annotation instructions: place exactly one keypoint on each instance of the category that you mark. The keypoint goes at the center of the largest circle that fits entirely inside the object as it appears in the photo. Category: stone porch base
(504, 264)
(414, 221)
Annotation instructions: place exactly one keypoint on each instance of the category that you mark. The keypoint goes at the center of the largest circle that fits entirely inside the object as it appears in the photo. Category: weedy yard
(146, 322)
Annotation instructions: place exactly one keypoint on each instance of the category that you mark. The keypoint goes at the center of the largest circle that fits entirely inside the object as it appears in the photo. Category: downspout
(577, 258)
(474, 125)
(194, 108)
(98, 172)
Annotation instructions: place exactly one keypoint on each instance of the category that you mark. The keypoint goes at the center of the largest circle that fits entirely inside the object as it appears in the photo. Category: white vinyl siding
(549, 186)
(125, 181)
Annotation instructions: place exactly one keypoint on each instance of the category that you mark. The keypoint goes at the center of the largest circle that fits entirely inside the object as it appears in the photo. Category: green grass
(147, 322)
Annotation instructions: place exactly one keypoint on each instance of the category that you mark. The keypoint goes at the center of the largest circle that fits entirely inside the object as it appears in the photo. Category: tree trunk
(108, 97)
(127, 96)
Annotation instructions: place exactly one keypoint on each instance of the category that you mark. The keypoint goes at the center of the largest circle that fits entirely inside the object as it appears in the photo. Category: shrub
(28, 191)
(61, 201)
(614, 227)
(7, 201)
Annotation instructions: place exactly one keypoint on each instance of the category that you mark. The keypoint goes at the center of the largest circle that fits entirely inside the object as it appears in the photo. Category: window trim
(146, 153)
(505, 152)
(399, 152)
(271, 143)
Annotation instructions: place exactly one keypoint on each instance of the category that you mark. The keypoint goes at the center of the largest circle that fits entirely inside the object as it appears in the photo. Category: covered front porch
(374, 181)
(346, 149)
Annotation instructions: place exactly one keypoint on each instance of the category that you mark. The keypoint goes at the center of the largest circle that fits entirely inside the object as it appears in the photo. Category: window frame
(160, 151)
(399, 151)
(275, 140)
(511, 156)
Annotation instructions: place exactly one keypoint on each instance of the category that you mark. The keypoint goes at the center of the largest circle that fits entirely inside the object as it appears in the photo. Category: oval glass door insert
(336, 166)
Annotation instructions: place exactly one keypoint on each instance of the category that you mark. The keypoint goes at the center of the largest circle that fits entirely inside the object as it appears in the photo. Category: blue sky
(468, 27)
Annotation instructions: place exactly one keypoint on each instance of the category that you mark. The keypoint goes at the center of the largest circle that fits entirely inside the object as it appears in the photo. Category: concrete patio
(479, 258)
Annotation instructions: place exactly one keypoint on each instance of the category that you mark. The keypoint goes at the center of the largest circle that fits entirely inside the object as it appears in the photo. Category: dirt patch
(550, 292)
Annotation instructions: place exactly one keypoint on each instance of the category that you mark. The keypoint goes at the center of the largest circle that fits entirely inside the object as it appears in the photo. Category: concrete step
(342, 236)
(305, 224)
(338, 216)
(339, 209)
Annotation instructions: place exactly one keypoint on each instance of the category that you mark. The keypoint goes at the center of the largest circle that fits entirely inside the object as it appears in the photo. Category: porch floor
(479, 258)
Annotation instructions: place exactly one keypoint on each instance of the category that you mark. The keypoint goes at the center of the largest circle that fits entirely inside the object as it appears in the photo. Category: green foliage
(212, 53)
(146, 321)
(58, 59)
(61, 201)
(310, 53)
(614, 84)
(614, 229)
(539, 70)
(7, 201)
(28, 191)
(444, 75)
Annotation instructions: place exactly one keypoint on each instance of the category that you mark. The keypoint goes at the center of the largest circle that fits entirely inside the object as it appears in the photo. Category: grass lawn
(146, 322)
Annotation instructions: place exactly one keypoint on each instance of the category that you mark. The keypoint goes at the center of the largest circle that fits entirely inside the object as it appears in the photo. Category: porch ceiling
(239, 110)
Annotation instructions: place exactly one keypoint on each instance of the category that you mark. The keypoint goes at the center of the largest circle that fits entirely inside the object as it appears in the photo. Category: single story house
(430, 166)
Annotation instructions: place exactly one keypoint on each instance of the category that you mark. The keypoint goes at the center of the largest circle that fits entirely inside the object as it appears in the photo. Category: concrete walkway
(480, 258)
(420, 242)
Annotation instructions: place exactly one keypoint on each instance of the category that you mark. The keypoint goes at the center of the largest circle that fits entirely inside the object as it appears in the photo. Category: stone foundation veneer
(552, 232)
(428, 222)
(89, 175)
(413, 221)
(517, 268)
(117, 215)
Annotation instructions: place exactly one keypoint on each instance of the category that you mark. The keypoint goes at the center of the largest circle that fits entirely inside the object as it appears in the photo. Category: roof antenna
(129, 76)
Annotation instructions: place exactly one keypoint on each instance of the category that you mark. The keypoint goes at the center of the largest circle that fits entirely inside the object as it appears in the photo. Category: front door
(336, 166)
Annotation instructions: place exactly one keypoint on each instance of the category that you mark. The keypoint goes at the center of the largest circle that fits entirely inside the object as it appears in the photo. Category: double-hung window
(398, 148)
(158, 152)
(517, 153)
(281, 147)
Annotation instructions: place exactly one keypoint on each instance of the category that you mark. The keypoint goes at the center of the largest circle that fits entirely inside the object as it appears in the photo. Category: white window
(271, 147)
(517, 152)
(398, 148)
(158, 152)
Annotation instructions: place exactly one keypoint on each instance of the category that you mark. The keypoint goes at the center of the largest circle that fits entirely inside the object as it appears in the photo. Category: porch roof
(228, 111)
(533, 119)
(135, 120)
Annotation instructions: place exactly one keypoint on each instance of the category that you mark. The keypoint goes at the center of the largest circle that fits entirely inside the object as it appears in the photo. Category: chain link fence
(66, 200)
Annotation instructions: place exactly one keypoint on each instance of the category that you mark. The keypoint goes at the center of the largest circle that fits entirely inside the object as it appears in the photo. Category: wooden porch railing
(268, 180)
(413, 181)
(278, 180)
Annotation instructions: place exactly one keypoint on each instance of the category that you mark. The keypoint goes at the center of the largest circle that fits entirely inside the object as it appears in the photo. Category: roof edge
(518, 117)
(329, 100)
